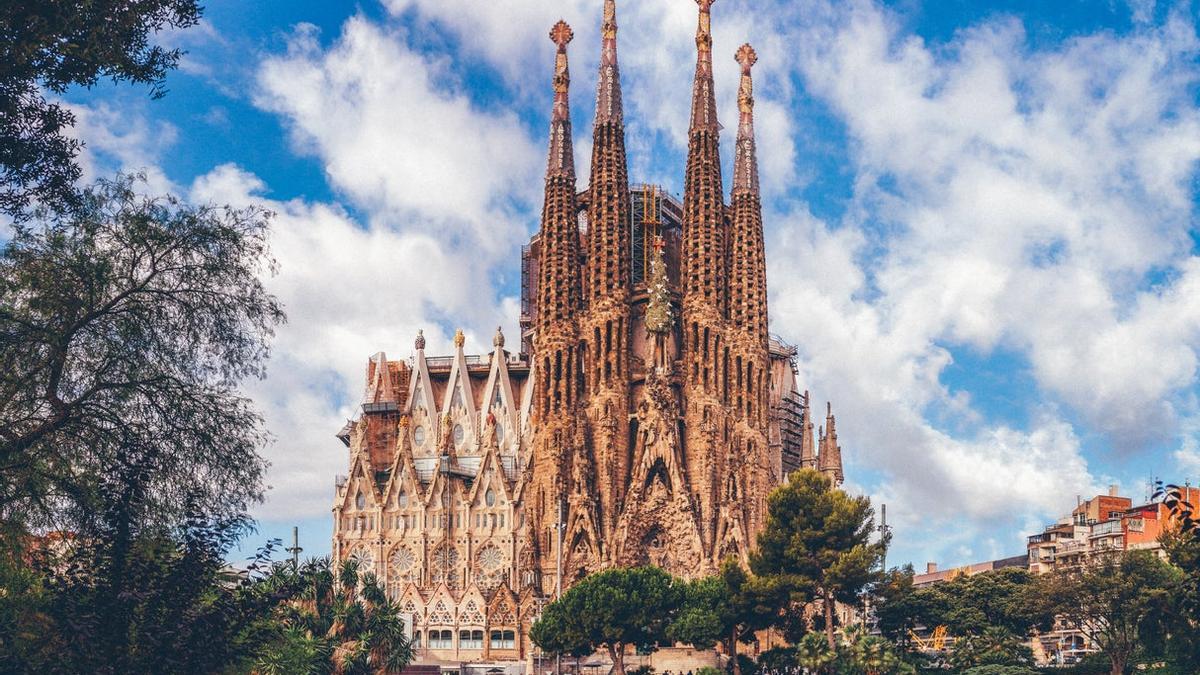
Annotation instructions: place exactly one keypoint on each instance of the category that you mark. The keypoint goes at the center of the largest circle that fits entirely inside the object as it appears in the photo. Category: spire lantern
(419, 343)
(561, 161)
(498, 338)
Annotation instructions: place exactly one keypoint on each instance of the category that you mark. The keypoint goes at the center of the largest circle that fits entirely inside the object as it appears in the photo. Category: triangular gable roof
(491, 473)
(404, 471)
(359, 474)
(498, 379)
(380, 386)
(460, 382)
(420, 382)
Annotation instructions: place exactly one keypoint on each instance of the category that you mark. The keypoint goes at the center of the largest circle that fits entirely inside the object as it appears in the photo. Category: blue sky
(979, 218)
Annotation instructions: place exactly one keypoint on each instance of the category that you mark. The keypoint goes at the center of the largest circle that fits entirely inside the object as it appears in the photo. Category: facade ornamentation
(642, 419)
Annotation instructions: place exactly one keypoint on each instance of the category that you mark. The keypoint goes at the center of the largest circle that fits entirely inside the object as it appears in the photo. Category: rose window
(366, 562)
(445, 566)
(490, 559)
(402, 560)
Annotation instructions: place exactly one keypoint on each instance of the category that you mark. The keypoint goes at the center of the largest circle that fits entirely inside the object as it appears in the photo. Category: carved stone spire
(556, 333)
(745, 163)
(561, 162)
(606, 327)
(608, 187)
(558, 271)
(608, 87)
(704, 280)
(703, 206)
(808, 451)
(704, 101)
(831, 452)
(747, 258)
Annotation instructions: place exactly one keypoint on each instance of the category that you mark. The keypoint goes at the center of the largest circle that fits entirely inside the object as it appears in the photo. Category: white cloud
(394, 134)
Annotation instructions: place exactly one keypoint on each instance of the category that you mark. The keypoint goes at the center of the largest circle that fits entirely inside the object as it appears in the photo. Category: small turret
(831, 452)
(808, 450)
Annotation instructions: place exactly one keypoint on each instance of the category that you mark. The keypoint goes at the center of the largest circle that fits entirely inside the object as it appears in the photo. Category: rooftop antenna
(295, 549)
(885, 531)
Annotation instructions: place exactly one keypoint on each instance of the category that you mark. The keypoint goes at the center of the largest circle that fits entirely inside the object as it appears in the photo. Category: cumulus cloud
(395, 135)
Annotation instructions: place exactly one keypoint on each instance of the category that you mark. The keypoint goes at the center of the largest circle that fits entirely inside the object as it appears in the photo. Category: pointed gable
(420, 405)
(458, 402)
(498, 398)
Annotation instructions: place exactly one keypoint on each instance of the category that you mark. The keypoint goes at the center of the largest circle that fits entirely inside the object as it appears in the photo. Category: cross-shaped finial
(561, 34)
(705, 4)
(746, 57)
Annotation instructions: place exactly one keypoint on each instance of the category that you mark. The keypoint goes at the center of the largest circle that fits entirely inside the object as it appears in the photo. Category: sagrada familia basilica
(644, 417)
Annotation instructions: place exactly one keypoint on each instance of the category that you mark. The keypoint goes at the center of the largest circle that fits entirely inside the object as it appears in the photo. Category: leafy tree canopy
(341, 621)
(726, 608)
(818, 543)
(1111, 602)
(972, 604)
(125, 328)
(609, 610)
(48, 46)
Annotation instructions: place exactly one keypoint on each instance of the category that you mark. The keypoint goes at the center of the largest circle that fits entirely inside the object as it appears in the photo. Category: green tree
(610, 610)
(993, 646)
(1111, 601)
(1177, 629)
(817, 543)
(49, 46)
(898, 606)
(340, 623)
(972, 604)
(855, 653)
(727, 608)
(1000, 670)
(136, 600)
(125, 329)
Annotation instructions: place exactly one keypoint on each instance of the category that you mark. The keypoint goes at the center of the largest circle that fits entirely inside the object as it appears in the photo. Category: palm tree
(341, 624)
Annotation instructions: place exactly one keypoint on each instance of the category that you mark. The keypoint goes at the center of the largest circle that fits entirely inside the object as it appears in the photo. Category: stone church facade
(643, 418)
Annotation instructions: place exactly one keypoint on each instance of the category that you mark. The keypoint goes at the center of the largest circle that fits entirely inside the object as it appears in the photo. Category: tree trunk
(828, 603)
(1118, 664)
(737, 667)
(617, 654)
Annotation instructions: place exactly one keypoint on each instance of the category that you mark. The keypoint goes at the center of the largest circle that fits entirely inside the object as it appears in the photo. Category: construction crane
(936, 642)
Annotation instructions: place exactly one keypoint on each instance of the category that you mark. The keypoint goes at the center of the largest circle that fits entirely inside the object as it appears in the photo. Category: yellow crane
(936, 642)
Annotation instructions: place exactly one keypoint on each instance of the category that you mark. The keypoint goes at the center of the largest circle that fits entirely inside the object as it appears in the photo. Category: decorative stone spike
(561, 161)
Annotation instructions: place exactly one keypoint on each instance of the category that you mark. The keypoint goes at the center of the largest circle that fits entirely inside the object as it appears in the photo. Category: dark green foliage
(993, 646)
(340, 621)
(727, 608)
(1176, 631)
(49, 46)
(1000, 670)
(609, 610)
(1114, 601)
(854, 653)
(126, 600)
(970, 605)
(818, 544)
(124, 331)
(898, 607)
